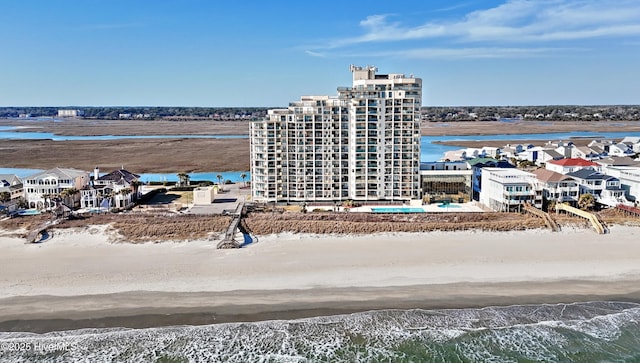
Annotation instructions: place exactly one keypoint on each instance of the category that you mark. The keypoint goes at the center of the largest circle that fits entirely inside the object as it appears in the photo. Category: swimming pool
(448, 206)
(28, 212)
(397, 210)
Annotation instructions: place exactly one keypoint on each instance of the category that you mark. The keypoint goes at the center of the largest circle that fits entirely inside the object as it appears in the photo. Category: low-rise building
(508, 189)
(70, 113)
(204, 195)
(442, 180)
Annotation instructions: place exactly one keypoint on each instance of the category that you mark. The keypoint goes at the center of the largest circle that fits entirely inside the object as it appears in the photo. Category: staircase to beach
(595, 221)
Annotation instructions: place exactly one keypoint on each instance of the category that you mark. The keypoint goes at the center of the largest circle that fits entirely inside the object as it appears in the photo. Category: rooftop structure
(363, 144)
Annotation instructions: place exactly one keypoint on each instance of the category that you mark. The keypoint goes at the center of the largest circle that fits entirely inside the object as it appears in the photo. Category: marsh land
(171, 154)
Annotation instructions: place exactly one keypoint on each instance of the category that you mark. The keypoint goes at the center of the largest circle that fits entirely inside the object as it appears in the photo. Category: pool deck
(427, 208)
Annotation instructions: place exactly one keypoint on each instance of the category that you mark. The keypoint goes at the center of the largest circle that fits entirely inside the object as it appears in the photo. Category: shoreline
(78, 279)
(154, 309)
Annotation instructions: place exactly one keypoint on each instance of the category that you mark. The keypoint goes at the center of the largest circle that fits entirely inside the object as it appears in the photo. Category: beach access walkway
(41, 229)
(595, 221)
(629, 210)
(229, 240)
(548, 221)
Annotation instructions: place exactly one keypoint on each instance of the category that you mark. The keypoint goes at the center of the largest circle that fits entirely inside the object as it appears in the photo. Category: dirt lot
(201, 155)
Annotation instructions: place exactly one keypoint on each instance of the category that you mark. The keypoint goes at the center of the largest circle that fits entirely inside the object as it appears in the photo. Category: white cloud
(515, 21)
(466, 53)
(315, 54)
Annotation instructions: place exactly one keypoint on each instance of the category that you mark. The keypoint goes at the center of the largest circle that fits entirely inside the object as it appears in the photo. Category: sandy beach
(79, 274)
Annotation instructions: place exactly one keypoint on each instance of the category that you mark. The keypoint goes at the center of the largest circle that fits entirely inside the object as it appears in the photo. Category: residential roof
(60, 173)
(547, 175)
(507, 171)
(481, 162)
(590, 174)
(619, 161)
(118, 175)
(554, 154)
(9, 179)
(572, 162)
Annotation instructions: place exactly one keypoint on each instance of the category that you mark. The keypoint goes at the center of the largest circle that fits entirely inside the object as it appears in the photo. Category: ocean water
(579, 332)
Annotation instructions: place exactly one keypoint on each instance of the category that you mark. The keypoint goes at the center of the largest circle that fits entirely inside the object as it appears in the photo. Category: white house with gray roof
(40, 188)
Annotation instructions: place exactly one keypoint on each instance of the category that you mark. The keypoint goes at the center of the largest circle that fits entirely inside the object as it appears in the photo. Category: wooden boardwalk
(628, 209)
(32, 236)
(544, 215)
(596, 222)
(229, 240)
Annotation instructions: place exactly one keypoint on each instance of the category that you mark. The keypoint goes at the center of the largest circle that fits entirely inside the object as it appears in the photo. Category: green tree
(5, 197)
(219, 177)
(586, 201)
(243, 176)
(183, 179)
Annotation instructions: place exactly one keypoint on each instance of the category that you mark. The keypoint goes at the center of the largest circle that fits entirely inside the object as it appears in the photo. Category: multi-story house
(117, 189)
(568, 165)
(476, 166)
(11, 188)
(42, 189)
(363, 144)
(557, 187)
(606, 189)
(508, 189)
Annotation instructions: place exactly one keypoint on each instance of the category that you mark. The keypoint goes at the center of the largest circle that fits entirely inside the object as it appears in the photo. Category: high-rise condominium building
(363, 144)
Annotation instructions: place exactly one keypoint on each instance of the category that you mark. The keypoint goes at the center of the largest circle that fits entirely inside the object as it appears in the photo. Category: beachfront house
(11, 189)
(557, 187)
(476, 166)
(117, 189)
(505, 190)
(627, 171)
(43, 189)
(606, 189)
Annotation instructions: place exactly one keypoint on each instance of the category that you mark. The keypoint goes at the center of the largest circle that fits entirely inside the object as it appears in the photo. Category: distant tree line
(556, 113)
(142, 112)
(431, 113)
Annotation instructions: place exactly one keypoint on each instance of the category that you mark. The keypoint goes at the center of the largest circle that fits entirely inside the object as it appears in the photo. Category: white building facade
(363, 144)
(41, 189)
(506, 190)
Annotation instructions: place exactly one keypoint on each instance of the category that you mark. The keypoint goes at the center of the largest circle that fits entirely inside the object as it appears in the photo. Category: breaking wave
(594, 331)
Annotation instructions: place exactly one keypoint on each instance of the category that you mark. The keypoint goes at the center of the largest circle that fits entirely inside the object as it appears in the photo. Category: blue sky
(268, 53)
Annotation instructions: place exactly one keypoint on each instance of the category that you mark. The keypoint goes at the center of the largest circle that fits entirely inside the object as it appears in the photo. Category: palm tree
(124, 193)
(46, 197)
(69, 194)
(183, 179)
(219, 176)
(243, 176)
(135, 184)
